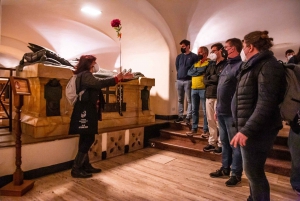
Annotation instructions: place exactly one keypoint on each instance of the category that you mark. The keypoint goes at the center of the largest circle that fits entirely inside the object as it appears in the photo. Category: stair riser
(278, 170)
(187, 151)
(183, 126)
(177, 133)
(280, 154)
(179, 126)
(181, 137)
(281, 141)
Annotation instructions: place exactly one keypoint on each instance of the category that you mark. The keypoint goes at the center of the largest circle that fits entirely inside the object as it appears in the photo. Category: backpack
(71, 94)
(291, 102)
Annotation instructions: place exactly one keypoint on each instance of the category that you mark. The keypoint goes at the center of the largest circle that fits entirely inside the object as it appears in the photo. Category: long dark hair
(84, 63)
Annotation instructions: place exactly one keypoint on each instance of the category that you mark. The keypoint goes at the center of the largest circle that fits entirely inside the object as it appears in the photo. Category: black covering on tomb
(49, 54)
(41, 54)
(53, 94)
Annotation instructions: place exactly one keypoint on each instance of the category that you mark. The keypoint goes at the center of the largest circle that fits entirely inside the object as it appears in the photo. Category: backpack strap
(79, 90)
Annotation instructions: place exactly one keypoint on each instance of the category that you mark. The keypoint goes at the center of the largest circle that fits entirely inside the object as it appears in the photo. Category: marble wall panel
(95, 152)
(115, 143)
(136, 139)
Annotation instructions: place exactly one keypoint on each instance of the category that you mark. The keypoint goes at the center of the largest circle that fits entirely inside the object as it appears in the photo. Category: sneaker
(191, 133)
(234, 180)
(180, 119)
(220, 173)
(218, 151)
(205, 135)
(187, 120)
(209, 148)
(297, 190)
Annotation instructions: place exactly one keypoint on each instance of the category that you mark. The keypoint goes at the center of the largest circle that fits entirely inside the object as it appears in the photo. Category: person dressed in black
(85, 116)
(255, 108)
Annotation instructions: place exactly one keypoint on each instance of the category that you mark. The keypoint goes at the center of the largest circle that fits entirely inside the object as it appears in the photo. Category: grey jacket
(86, 80)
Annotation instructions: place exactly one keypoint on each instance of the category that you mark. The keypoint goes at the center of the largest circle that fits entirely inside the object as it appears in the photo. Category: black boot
(77, 169)
(88, 167)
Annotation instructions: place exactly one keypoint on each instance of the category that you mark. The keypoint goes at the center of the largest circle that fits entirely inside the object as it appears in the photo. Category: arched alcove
(222, 20)
(64, 29)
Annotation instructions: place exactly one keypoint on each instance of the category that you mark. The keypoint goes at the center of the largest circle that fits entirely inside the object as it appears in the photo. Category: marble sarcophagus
(47, 112)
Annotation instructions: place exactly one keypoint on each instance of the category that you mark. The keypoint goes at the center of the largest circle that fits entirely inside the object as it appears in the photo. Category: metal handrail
(7, 85)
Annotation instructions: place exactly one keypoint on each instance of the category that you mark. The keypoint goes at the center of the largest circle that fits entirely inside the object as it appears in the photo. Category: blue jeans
(197, 96)
(294, 146)
(230, 156)
(184, 87)
(254, 158)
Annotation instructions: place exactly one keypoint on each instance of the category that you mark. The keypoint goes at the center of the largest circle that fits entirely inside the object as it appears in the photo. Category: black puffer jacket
(260, 89)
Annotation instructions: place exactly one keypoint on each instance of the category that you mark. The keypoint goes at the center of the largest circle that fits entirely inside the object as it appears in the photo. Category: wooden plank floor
(150, 174)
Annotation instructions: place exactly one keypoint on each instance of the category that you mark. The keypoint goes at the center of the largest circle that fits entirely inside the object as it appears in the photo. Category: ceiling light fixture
(91, 11)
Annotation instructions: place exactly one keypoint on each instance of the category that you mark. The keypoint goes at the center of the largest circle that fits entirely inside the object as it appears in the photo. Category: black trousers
(85, 142)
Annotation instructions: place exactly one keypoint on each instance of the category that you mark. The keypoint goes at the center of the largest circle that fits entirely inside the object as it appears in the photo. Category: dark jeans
(85, 142)
(254, 158)
(230, 156)
(294, 147)
(198, 95)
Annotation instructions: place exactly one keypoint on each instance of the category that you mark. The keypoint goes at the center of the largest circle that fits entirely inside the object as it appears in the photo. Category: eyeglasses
(227, 47)
(213, 51)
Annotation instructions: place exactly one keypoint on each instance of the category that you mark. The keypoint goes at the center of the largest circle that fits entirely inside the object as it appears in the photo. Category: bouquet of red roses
(116, 24)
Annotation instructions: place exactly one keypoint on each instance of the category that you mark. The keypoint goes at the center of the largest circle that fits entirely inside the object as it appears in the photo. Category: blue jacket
(183, 63)
(227, 84)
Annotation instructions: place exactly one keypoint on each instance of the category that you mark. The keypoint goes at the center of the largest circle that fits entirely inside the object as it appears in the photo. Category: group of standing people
(241, 86)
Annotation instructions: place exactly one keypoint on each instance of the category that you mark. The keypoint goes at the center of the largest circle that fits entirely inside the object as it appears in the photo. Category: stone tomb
(47, 112)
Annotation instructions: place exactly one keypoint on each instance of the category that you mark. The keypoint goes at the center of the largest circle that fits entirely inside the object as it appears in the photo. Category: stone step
(184, 147)
(171, 133)
(184, 126)
(277, 166)
(280, 152)
(281, 140)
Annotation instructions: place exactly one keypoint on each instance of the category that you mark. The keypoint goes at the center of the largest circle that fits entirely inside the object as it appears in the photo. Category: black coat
(84, 119)
(260, 89)
(211, 78)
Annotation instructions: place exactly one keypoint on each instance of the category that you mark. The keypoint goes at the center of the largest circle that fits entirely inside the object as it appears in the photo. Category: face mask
(212, 56)
(200, 57)
(289, 57)
(243, 56)
(183, 50)
(96, 68)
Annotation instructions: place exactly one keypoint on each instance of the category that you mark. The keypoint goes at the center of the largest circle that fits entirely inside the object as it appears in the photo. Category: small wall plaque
(20, 85)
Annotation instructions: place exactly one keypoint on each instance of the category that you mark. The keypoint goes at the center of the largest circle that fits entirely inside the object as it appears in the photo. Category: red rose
(115, 23)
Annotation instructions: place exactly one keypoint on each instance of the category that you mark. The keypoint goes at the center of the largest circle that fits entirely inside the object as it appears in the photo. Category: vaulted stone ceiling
(59, 25)
(151, 31)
